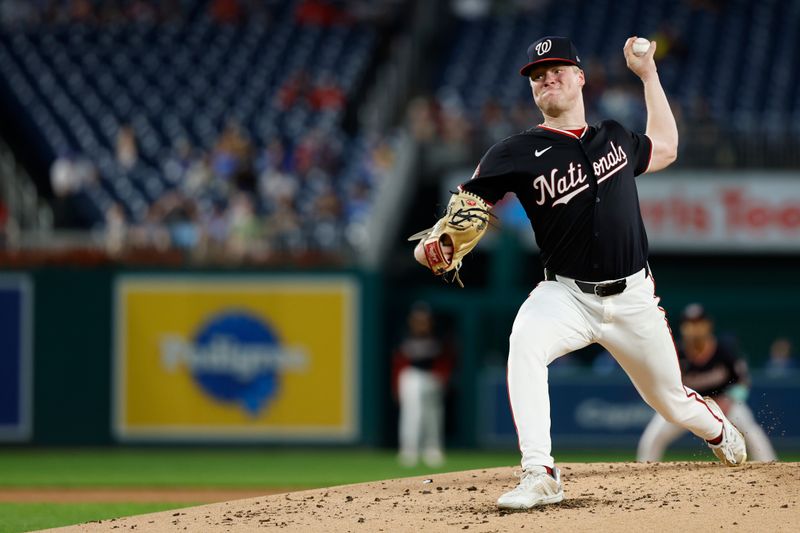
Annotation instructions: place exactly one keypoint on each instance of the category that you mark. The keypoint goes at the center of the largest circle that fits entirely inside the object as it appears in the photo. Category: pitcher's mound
(599, 497)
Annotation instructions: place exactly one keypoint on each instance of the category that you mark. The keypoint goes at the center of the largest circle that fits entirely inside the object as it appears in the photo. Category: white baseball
(640, 46)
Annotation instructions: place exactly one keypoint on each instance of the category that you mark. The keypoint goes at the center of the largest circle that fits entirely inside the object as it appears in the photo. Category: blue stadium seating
(79, 83)
(741, 58)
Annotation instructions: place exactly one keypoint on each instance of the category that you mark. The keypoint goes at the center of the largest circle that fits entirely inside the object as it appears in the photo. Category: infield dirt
(600, 497)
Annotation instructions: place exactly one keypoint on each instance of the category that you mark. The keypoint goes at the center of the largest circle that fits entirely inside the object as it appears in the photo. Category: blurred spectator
(226, 11)
(292, 91)
(127, 150)
(421, 368)
(277, 187)
(214, 231)
(780, 362)
(454, 144)
(231, 158)
(199, 176)
(65, 179)
(326, 94)
(357, 210)
(471, 9)
(324, 222)
(284, 228)
(70, 174)
(151, 232)
(179, 215)
(421, 120)
(320, 13)
(177, 164)
(116, 229)
(245, 229)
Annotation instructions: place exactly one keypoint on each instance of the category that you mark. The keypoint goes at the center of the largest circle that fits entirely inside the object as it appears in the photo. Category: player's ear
(581, 76)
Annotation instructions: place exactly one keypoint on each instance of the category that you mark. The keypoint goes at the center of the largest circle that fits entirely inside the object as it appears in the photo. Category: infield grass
(248, 467)
(17, 517)
(268, 468)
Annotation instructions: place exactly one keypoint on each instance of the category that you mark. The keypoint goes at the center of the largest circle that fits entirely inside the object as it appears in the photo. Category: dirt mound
(600, 497)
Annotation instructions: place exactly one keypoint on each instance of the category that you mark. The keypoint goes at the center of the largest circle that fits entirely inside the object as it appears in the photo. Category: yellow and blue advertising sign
(16, 357)
(223, 358)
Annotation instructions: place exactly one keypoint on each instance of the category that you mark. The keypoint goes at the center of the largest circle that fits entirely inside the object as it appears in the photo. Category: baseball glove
(462, 226)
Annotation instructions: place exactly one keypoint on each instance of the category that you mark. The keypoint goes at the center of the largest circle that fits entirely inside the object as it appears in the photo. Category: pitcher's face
(556, 88)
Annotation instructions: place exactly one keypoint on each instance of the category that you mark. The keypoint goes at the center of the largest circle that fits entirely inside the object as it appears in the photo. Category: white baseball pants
(659, 434)
(558, 318)
(421, 397)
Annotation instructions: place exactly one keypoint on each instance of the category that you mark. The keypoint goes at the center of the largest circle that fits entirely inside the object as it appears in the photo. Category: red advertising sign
(703, 211)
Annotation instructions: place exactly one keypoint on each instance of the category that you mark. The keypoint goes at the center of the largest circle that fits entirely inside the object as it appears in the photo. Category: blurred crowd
(32, 13)
(238, 201)
(294, 192)
(456, 131)
(454, 135)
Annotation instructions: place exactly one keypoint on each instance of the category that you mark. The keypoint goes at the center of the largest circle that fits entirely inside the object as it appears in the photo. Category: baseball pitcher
(576, 184)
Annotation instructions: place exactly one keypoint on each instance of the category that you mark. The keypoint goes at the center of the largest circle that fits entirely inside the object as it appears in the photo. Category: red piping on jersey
(566, 132)
(484, 199)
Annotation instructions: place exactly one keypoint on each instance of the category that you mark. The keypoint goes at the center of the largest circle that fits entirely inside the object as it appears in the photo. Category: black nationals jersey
(723, 369)
(579, 193)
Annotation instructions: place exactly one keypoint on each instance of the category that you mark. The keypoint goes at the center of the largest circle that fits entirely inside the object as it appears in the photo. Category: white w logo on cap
(543, 47)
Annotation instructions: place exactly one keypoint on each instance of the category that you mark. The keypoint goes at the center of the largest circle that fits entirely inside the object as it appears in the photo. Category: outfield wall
(131, 356)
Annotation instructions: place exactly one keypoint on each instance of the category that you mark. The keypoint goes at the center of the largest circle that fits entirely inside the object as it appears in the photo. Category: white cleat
(536, 487)
(732, 450)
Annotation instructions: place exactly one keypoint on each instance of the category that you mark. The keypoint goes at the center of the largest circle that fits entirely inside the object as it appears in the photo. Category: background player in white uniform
(712, 367)
(576, 184)
(421, 366)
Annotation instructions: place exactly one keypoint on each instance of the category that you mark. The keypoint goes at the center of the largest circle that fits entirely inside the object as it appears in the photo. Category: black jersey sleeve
(641, 148)
(492, 178)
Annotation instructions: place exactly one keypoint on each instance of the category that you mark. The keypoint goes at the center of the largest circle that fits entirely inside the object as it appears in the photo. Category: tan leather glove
(462, 226)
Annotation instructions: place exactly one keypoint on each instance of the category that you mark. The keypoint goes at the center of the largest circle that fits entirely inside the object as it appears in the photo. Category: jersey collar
(565, 132)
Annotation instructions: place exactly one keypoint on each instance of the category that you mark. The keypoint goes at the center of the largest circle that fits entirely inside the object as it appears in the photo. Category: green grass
(17, 517)
(218, 468)
(249, 467)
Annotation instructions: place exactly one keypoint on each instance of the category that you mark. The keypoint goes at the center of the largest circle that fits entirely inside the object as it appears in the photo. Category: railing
(19, 194)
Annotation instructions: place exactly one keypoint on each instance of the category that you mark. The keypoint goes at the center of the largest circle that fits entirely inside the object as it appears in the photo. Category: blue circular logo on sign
(236, 360)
